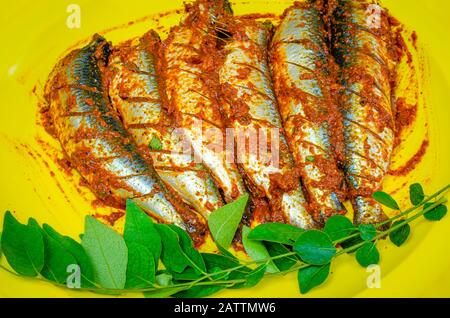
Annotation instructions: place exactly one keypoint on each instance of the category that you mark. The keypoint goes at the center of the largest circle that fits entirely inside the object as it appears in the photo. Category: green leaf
(338, 227)
(276, 232)
(140, 229)
(252, 278)
(256, 250)
(215, 263)
(386, 200)
(140, 268)
(108, 253)
(435, 214)
(155, 144)
(225, 252)
(192, 254)
(399, 236)
(312, 276)
(367, 231)
(23, 246)
(56, 259)
(315, 247)
(188, 274)
(416, 194)
(367, 254)
(77, 251)
(172, 255)
(218, 274)
(218, 261)
(164, 279)
(310, 158)
(277, 249)
(224, 222)
(1, 253)
(199, 291)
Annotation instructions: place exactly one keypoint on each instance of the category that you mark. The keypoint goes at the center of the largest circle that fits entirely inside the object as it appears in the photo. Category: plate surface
(35, 35)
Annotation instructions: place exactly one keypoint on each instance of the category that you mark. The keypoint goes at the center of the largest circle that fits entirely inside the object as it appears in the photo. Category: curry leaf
(224, 222)
(315, 247)
(400, 235)
(276, 232)
(140, 229)
(252, 278)
(77, 251)
(367, 231)
(338, 227)
(140, 268)
(23, 246)
(367, 254)
(312, 276)
(188, 274)
(277, 249)
(416, 194)
(56, 259)
(220, 261)
(435, 214)
(257, 251)
(194, 257)
(172, 255)
(163, 278)
(108, 253)
(386, 200)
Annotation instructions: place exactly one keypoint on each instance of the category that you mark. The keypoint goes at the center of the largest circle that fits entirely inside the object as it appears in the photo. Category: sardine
(251, 110)
(190, 81)
(97, 144)
(361, 37)
(301, 72)
(136, 94)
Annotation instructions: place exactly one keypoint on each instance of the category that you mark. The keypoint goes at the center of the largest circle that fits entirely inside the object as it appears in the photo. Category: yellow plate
(35, 34)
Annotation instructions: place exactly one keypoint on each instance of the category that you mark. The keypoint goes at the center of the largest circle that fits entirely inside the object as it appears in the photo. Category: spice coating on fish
(361, 46)
(95, 141)
(250, 109)
(301, 72)
(136, 94)
(191, 90)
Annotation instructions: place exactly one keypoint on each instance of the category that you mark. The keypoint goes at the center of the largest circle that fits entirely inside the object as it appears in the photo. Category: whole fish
(301, 71)
(361, 37)
(136, 94)
(97, 144)
(251, 110)
(190, 81)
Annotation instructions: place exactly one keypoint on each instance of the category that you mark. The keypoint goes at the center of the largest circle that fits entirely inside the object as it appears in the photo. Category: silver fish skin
(251, 110)
(136, 94)
(192, 94)
(301, 71)
(361, 47)
(94, 139)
